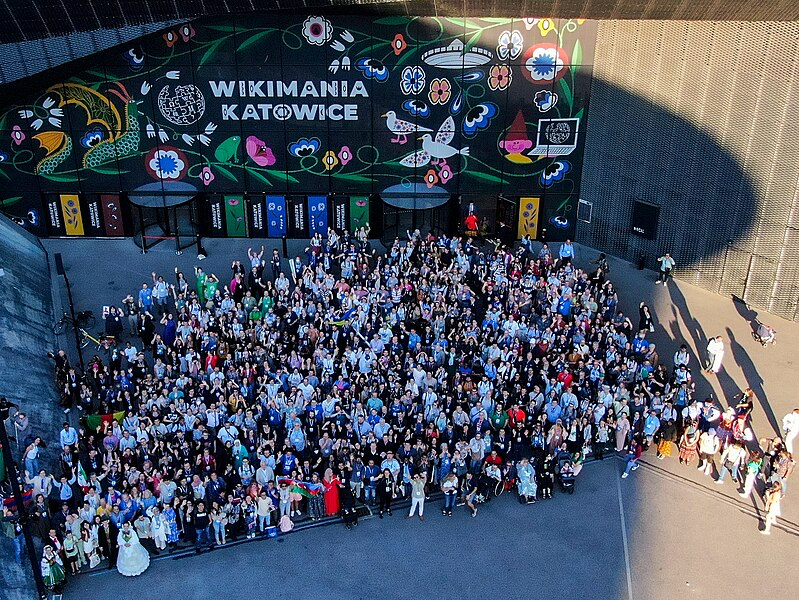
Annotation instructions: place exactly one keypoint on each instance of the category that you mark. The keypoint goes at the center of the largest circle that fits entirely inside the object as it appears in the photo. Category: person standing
(773, 498)
(753, 466)
(385, 491)
(566, 252)
(417, 496)
(202, 526)
(450, 488)
(666, 266)
(790, 428)
(133, 558)
(715, 354)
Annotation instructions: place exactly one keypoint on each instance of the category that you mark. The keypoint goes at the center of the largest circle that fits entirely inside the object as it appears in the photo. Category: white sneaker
(299, 512)
(719, 482)
(624, 475)
(293, 513)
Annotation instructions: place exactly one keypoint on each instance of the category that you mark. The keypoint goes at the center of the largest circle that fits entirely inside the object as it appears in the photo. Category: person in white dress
(158, 528)
(715, 354)
(133, 559)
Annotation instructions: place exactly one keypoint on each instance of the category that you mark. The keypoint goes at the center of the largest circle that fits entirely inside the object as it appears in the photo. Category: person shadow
(679, 308)
(753, 378)
(747, 312)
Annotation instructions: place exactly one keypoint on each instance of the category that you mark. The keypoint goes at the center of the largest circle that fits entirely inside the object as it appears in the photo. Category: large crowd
(246, 401)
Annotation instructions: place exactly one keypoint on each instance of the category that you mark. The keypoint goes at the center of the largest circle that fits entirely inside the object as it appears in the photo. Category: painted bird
(436, 149)
(401, 129)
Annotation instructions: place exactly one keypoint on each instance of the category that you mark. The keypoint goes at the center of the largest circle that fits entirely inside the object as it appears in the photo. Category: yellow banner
(70, 208)
(528, 217)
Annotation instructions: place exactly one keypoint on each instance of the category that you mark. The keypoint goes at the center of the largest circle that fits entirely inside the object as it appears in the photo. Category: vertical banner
(298, 224)
(235, 219)
(256, 216)
(94, 223)
(528, 217)
(277, 225)
(55, 224)
(216, 222)
(338, 206)
(359, 212)
(317, 215)
(112, 215)
(70, 209)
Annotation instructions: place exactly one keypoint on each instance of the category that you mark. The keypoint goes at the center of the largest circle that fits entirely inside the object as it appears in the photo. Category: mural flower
(171, 38)
(479, 117)
(545, 26)
(456, 105)
(330, 160)
(372, 69)
(92, 137)
(499, 77)
(555, 172)
(470, 76)
(344, 155)
(17, 135)
(3, 156)
(317, 31)
(510, 45)
(444, 172)
(166, 162)
(544, 100)
(135, 58)
(440, 91)
(529, 23)
(398, 44)
(54, 114)
(431, 178)
(412, 80)
(207, 175)
(417, 108)
(259, 152)
(304, 147)
(560, 222)
(544, 62)
(187, 32)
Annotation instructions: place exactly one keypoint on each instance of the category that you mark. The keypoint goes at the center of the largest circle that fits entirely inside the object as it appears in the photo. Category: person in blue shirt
(145, 298)
(287, 462)
(640, 344)
(413, 339)
(566, 252)
(554, 410)
(370, 474)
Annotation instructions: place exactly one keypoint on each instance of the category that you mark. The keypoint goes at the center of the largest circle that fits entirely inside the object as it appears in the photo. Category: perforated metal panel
(698, 117)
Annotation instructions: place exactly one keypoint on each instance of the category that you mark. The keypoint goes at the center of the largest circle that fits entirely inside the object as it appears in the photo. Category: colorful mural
(282, 107)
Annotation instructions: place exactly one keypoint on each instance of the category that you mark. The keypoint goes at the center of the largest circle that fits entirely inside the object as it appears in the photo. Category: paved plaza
(657, 534)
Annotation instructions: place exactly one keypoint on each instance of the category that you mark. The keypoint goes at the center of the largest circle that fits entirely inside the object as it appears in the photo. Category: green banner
(235, 217)
(359, 212)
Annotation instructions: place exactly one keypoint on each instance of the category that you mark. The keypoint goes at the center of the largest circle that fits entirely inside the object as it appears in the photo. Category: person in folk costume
(52, 570)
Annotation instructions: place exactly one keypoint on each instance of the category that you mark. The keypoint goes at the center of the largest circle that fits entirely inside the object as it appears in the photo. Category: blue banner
(317, 211)
(277, 224)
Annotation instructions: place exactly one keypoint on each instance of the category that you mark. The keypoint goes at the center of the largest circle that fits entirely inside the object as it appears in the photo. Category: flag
(11, 502)
(83, 481)
(95, 421)
(344, 319)
(306, 488)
